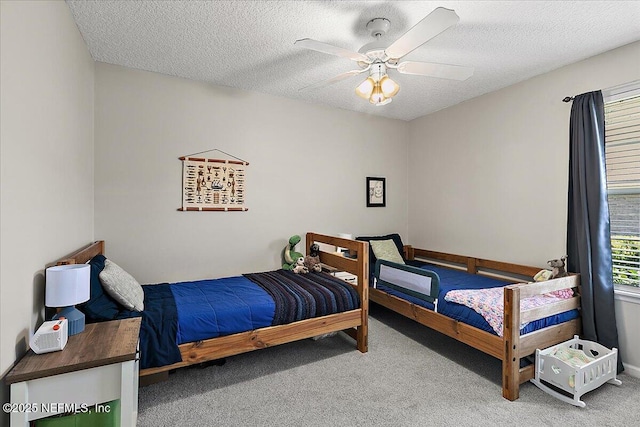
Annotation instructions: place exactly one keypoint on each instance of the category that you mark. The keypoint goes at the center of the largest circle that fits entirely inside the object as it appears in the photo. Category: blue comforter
(184, 312)
(158, 327)
(212, 308)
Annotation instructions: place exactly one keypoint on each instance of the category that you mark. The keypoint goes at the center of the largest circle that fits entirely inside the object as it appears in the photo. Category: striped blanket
(303, 296)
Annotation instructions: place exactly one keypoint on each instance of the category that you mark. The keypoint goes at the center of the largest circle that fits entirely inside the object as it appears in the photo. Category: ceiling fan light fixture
(389, 87)
(379, 56)
(365, 89)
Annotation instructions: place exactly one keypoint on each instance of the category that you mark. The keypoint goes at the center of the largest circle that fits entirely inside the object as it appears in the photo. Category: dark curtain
(588, 233)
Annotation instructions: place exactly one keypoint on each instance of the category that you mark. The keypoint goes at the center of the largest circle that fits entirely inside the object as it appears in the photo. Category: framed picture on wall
(376, 192)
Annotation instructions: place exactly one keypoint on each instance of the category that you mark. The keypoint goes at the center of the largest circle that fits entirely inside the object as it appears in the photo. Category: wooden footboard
(357, 264)
(511, 347)
(518, 346)
(353, 322)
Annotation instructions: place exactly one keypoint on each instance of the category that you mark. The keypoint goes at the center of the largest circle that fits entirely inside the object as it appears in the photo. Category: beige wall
(307, 172)
(492, 172)
(47, 79)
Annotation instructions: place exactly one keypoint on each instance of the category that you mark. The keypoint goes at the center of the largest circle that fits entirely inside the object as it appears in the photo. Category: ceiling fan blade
(331, 49)
(430, 26)
(441, 71)
(335, 79)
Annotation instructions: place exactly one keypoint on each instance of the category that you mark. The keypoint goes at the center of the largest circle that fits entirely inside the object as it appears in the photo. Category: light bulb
(366, 88)
(388, 86)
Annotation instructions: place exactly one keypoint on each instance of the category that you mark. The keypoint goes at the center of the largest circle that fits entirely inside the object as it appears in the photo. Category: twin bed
(173, 335)
(545, 325)
(330, 305)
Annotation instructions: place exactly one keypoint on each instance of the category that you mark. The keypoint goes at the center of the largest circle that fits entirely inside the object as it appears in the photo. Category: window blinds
(622, 145)
(622, 149)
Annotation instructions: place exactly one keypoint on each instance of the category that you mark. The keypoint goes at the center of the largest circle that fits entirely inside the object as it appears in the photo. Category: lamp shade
(67, 285)
(389, 87)
(365, 88)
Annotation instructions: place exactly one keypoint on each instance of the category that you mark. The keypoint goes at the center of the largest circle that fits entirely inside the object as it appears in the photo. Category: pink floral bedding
(489, 303)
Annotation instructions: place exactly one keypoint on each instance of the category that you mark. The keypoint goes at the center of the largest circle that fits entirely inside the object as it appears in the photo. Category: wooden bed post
(408, 252)
(472, 265)
(511, 336)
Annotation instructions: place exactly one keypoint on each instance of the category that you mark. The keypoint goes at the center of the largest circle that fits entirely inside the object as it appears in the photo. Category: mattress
(451, 279)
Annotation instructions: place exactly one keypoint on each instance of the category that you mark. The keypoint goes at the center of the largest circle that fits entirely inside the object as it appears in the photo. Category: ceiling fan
(378, 57)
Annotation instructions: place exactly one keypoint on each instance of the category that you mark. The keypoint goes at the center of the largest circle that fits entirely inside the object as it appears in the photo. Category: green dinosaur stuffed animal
(289, 256)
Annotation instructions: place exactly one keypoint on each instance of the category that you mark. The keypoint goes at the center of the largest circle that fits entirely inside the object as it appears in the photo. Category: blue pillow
(100, 306)
(372, 257)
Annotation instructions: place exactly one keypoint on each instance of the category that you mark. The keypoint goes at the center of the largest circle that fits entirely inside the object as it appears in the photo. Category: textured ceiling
(249, 44)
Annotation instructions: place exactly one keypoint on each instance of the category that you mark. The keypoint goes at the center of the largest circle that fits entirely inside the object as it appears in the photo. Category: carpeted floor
(411, 376)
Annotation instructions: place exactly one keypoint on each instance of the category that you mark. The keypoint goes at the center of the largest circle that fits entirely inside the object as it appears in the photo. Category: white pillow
(386, 250)
(122, 286)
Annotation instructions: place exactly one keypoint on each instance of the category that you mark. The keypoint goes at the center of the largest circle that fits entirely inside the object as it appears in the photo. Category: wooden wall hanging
(213, 184)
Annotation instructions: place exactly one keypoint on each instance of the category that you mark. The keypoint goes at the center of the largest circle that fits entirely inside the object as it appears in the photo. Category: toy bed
(546, 325)
(343, 307)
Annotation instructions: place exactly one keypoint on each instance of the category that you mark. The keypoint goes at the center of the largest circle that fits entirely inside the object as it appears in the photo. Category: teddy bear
(312, 261)
(299, 267)
(558, 267)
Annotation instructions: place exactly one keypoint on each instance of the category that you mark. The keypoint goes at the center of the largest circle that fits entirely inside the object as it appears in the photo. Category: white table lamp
(66, 286)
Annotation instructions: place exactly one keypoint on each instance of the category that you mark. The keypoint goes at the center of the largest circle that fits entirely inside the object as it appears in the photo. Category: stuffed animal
(289, 256)
(300, 268)
(312, 261)
(558, 267)
(542, 275)
(558, 271)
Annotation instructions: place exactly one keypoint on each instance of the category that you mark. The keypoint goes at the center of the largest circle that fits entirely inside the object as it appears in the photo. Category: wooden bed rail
(243, 342)
(470, 264)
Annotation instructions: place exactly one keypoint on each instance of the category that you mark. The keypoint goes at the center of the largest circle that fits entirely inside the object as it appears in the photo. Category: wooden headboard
(84, 254)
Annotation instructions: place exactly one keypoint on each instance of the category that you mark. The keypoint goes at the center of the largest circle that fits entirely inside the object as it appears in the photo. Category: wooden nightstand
(96, 366)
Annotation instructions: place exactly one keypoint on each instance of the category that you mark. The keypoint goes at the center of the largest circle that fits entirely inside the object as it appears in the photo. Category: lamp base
(75, 319)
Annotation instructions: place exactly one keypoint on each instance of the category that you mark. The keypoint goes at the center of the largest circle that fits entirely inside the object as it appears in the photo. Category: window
(622, 151)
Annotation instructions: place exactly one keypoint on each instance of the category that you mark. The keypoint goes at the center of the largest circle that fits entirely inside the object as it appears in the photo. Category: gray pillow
(386, 250)
(122, 286)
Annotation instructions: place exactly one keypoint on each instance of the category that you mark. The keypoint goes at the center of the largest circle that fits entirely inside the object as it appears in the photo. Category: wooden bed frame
(512, 346)
(353, 322)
